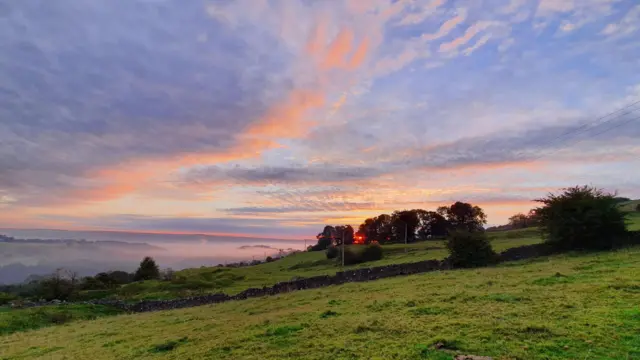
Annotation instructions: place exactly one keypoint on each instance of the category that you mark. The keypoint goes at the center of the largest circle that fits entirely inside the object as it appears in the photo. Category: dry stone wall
(342, 277)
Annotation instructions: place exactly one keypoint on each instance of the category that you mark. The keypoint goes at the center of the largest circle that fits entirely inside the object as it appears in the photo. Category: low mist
(29, 253)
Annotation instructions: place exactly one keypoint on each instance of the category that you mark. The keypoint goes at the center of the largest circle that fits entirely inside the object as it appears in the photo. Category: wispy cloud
(225, 115)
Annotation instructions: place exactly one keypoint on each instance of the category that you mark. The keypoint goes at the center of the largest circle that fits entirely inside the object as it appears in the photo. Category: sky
(273, 118)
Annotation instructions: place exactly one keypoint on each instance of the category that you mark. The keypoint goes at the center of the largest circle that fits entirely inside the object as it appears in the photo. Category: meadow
(304, 264)
(571, 306)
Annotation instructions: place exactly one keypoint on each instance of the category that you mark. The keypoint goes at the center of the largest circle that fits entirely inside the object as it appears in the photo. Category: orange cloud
(338, 50)
(286, 120)
(360, 54)
(317, 38)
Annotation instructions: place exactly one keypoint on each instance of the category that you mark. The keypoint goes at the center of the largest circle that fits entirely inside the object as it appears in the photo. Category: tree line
(64, 284)
(405, 226)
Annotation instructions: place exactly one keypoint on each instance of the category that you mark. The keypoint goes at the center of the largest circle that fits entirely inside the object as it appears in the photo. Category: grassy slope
(630, 205)
(306, 264)
(27, 319)
(563, 307)
(634, 221)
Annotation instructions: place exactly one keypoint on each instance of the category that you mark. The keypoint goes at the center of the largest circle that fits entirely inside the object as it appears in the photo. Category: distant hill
(629, 205)
(140, 246)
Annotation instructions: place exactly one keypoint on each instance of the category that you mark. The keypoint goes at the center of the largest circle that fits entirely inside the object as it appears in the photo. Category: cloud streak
(274, 115)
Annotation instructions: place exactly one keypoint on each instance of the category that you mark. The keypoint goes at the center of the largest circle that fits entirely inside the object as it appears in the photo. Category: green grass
(633, 220)
(12, 320)
(572, 306)
(630, 205)
(203, 280)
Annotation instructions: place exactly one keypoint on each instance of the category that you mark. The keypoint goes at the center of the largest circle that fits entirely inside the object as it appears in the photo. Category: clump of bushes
(469, 249)
(371, 252)
(351, 257)
(582, 218)
(6, 298)
(332, 252)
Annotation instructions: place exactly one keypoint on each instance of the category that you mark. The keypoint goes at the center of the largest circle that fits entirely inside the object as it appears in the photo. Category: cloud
(469, 34)
(206, 225)
(625, 26)
(307, 205)
(423, 13)
(259, 246)
(494, 149)
(447, 26)
(85, 104)
(282, 174)
(331, 109)
(483, 40)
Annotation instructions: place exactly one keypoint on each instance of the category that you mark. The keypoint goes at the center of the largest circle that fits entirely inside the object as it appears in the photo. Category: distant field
(634, 221)
(630, 205)
(562, 307)
(305, 264)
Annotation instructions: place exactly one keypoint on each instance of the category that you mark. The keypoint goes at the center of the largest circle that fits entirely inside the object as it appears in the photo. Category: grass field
(234, 280)
(27, 319)
(634, 221)
(630, 206)
(561, 307)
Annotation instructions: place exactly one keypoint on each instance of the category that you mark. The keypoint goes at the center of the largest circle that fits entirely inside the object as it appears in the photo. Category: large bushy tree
(61, 285)
(325, 239)
(432, 225)
(469, 249)
(464, 216)
(148, 270)
(344, 232)
(404, 223)
(582, 217)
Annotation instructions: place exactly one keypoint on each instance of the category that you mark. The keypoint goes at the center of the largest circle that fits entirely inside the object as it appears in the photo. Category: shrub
(269, 259)
(350, 257)
(638, 208)
(582, 217)
(372, 252)
(469, 249)
(6, 298)
(332, 252)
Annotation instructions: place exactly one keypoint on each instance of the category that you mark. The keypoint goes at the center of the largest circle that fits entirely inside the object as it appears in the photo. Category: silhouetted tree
(582, 217)
(148, 270)
(367, 230)
(519, 221)
(404, 221)
(382, 229)
(432, 225)
(344, 231)
(348, 234)
(61, 285)
(532, 218)
(325, 239)
(464, 216)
